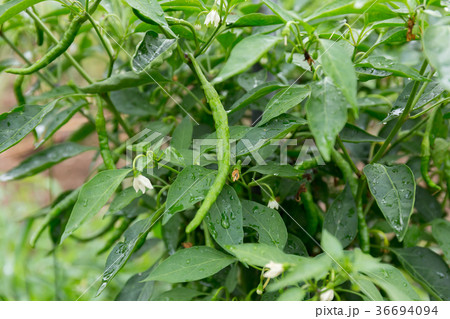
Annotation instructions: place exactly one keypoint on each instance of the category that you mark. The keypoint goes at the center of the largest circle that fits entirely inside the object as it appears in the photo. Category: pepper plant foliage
(328, 173)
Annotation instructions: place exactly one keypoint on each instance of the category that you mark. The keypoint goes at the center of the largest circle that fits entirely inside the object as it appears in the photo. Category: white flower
(141, 183)
(274, 270)
(213, 18)
(197, 27)
(326, 295)
(273, 204)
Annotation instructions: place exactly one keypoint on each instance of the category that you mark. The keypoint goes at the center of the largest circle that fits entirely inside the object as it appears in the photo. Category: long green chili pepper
(223, 134)
(39, 31)
(346, 170)
(363, 230)
(58, 209)
(58, 49)
(18, 90)
(425, 153)
(312, 211)
(103, 142)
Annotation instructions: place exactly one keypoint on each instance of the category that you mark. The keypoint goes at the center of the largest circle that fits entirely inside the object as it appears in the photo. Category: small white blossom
(213, 18)
(197, 27)
(326, 295)
(274, 270)
(141, 183)
(273, 204)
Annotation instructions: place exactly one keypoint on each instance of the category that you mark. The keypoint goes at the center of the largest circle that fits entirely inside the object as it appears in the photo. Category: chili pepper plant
(276, 150)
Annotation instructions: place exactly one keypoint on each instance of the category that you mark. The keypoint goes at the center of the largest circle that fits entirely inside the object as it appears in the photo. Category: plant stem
(402, 119)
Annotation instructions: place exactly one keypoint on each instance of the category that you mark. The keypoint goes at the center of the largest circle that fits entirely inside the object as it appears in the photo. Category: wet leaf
(283, 101)
(190, 187)
(253, 48)
(326, 111)
(428, 268)
(341, 220)
(224, 219)
(16, 124)
(191, 264)
(261, 254)
(45, 159)
(93, 196)
(394, 189)
(152, 51)
(266, 221)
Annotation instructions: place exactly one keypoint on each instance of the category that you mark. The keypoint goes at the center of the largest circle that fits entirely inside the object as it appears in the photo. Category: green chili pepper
(363, 230)
(426, 154)
(223, 134)
(313, 213)
(18, 90)
(56, 210)
(346, 170)
(39, 32)
(60, 48)
(103, 142)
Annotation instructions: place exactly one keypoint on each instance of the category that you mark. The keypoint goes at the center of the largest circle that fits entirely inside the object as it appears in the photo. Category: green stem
(430, 108)
(402, 119)
(208, 240)
(347, 156)
(346, 170)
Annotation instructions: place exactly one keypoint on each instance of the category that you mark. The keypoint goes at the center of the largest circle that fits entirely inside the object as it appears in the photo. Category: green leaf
(337, 64)
(11, 8)
(341, 220)
(152, 10)
(244, 54)
(309, 268)
(266, 221)
(441, 230)
(353, 134)
(282, 13)
(261, 254)
(276, 170)
(224, 219)
(125, 80)
(435, 45)
(295, 246)
(431, 92)
(43, 160)
(53, 122)
(134, 237)
(190, 187)
(123, 199)
(255, 94)
(292, 294)
(151, 52)
(190, 265)
(261, 135)
(132, 101)
(367, 287)
(255, 20)
(93, 196)
(136, 290)
(16, 124)
(182, 135)
(283, 101)
(394, 189)
(179, 294)
(326, 111)
(387, 277)
(385, 64)
(428, 268)
(428, 206)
